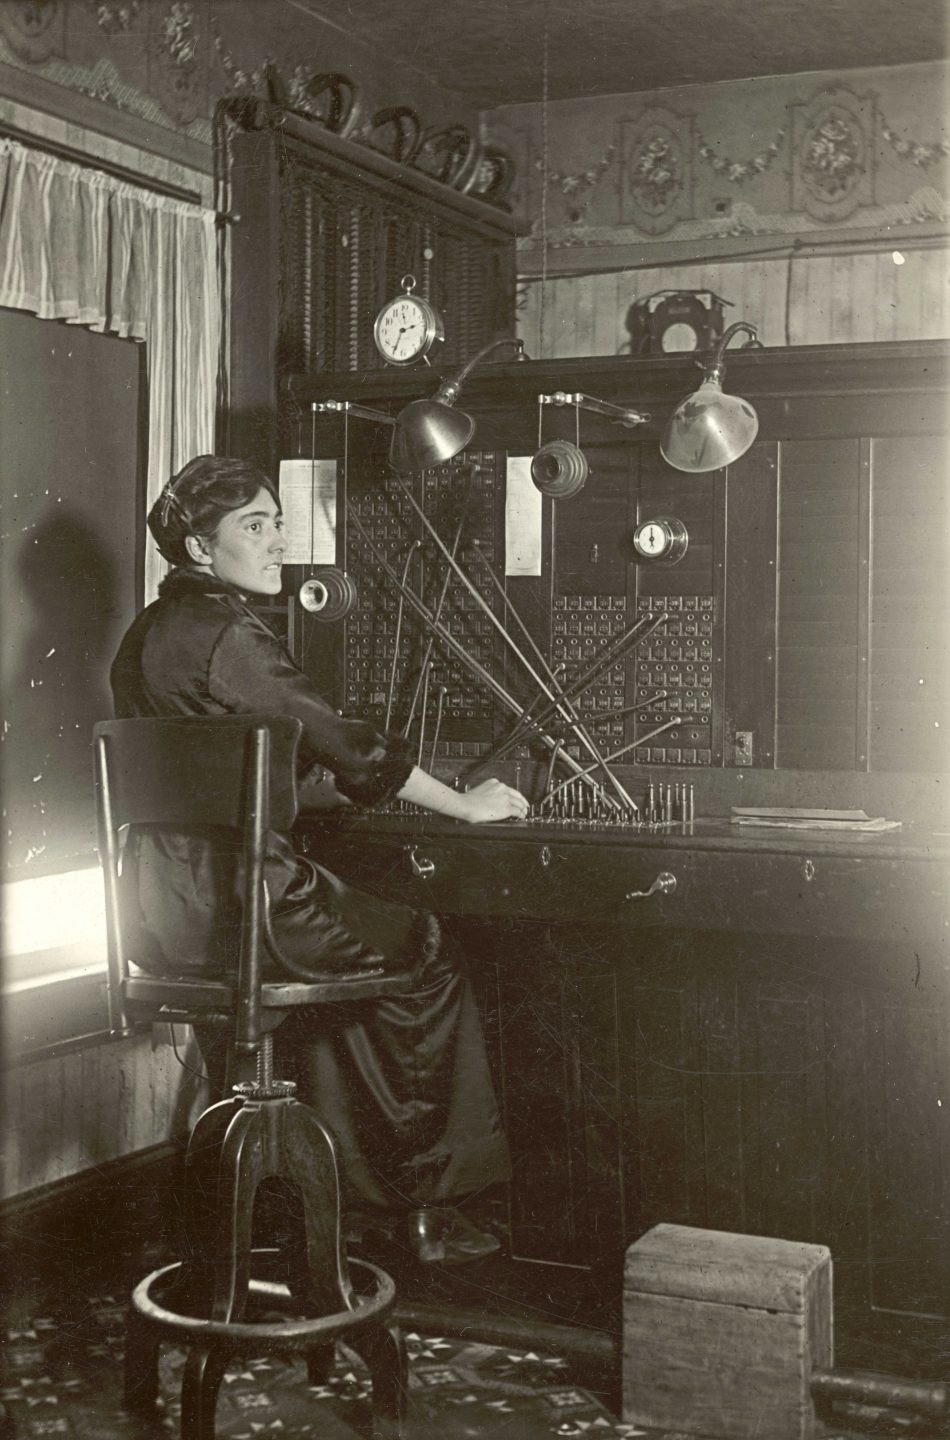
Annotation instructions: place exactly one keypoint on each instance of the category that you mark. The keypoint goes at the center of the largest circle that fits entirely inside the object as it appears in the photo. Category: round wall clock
(663, 541)
(407, 327)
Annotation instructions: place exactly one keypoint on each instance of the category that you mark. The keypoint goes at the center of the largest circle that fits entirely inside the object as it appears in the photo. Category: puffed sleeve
(250, 671)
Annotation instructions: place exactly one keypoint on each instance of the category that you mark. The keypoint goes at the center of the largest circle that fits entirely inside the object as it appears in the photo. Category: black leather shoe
(443, 1236)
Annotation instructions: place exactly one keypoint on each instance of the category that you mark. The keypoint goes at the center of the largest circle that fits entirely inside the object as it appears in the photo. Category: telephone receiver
(406, 132)
(343, 106)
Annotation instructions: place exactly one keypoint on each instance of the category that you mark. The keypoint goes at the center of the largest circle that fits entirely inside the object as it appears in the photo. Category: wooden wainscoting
(798, 300)
(69, 1113)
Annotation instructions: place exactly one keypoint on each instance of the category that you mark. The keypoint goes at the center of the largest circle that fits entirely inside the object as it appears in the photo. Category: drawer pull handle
(420, 865)
(664, 884)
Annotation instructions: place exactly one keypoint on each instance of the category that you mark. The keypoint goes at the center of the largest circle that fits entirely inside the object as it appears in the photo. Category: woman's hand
(492, 800)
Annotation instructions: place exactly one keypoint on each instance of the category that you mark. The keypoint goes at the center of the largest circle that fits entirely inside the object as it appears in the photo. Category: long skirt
(402, 1083)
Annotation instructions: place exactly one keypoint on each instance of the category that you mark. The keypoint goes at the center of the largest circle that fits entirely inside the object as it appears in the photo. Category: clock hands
(404, 329)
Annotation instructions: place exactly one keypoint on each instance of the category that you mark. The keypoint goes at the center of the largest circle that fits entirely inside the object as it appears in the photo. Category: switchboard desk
(708, 1025)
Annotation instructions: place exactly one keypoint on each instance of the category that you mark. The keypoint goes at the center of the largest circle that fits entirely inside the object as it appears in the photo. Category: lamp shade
(709, 429)
(428, 432)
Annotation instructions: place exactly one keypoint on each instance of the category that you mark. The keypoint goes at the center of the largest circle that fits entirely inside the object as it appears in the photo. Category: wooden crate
(721, 1333)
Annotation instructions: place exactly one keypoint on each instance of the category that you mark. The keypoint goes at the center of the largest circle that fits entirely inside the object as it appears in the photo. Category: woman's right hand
(493, 800)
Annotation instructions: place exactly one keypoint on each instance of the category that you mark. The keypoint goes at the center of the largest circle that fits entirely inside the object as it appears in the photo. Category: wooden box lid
(721, 1268)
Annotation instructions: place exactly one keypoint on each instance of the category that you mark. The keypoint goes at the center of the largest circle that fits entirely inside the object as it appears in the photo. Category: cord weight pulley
(328, 594)
(559, 469)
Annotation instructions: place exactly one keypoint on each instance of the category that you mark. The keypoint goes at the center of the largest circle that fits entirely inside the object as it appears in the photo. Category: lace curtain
(76, 245)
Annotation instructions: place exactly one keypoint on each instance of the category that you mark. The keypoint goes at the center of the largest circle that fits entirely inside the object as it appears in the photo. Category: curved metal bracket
(664, 884)
(420, 865)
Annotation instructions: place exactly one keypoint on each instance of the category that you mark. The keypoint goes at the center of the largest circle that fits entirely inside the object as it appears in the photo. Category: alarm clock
(407, 327)
(671, 321)
(662, 541)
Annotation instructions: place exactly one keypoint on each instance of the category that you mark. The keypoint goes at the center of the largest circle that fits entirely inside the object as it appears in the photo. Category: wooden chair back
(236, 772)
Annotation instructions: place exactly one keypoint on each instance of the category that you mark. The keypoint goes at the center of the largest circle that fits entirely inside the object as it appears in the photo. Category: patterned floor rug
(62, 1377)
(61, 1351)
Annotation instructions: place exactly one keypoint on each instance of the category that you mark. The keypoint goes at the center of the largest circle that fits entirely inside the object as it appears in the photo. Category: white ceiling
(491, 51)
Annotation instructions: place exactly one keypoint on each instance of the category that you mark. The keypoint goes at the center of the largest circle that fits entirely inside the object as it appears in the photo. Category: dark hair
(195, 501)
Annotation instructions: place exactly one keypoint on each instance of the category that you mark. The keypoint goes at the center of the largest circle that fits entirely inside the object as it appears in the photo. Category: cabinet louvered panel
(344, 250)
(331, 241)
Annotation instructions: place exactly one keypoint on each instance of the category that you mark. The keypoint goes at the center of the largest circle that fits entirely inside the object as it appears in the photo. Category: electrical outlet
(742, 748)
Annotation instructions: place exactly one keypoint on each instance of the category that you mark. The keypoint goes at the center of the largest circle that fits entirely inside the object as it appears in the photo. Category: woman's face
(247, 549)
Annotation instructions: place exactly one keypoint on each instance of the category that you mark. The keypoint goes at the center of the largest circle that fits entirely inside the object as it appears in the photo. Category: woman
(402, 1083)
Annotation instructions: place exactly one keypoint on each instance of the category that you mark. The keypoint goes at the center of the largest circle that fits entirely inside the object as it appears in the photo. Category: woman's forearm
(490, 800)
(429, 793)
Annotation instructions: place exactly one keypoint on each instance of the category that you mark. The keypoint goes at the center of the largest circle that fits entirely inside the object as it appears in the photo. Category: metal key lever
(420, 866)
(664, 884)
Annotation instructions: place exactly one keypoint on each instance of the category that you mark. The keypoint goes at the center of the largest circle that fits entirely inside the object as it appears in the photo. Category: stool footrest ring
(246, 1335)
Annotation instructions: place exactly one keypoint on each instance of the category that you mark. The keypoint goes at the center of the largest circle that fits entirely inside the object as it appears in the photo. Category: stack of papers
(798, 818)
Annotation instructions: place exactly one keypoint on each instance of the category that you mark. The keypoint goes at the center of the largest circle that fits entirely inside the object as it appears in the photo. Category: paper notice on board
(308, 497)
(522, 518)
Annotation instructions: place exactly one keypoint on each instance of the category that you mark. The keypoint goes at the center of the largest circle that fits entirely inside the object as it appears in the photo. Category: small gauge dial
(662, 540)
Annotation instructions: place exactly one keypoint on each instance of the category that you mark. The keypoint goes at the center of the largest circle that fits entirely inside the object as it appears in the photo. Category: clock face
(405, 329)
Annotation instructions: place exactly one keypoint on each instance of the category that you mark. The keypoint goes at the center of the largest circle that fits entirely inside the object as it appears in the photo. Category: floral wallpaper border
(833, 153)
(656, 170)
(665, 182)
(172, 107)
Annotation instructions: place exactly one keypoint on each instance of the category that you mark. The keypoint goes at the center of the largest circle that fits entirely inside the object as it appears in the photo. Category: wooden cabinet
(323, 231)
(765, 1050)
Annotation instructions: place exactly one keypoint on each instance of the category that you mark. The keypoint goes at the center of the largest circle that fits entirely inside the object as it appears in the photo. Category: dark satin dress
(402, 1083)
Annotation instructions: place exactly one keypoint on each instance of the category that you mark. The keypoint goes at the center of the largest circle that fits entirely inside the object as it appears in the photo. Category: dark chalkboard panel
(71, 442)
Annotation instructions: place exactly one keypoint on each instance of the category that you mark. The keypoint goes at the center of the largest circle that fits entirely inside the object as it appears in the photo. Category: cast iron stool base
(200, 1303)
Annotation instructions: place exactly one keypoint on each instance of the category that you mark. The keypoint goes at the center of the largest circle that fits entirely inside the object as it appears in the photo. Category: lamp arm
(347, 407)
(624, 414)
(448, 391)
(714, 367)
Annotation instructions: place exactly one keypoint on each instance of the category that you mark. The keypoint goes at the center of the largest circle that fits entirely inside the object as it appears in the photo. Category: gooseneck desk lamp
(426, 432)
(709, 428)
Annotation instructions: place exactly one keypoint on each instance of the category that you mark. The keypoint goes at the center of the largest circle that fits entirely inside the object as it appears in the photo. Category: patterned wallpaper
(167, 62)
(680, 170)
(679, 173)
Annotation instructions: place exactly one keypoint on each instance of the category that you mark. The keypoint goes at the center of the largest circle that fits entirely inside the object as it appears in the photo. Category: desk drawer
(765, 893)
